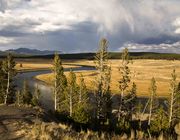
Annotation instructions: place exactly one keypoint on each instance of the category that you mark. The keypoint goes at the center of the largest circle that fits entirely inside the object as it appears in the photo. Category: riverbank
(46, 90)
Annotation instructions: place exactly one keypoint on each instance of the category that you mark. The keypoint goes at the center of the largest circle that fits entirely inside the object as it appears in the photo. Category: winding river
(46, 90)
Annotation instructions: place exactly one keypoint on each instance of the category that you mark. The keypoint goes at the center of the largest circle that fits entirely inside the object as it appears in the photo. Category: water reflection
(46, 90)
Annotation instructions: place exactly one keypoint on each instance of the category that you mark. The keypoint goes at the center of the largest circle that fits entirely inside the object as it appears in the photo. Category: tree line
(112, 55)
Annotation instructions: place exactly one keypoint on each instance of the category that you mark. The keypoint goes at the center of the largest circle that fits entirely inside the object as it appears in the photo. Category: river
(46, 90)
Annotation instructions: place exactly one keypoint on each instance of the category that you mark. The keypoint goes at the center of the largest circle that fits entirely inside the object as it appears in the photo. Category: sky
(73, 26)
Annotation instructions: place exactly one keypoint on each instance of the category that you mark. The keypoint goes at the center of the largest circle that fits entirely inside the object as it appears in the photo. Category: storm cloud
(77, 26)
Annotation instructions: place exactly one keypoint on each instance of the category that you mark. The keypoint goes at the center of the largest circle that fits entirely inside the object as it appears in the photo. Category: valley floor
(141, 73)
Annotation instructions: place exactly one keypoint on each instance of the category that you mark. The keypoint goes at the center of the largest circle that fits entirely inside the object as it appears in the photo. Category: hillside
(90, 56)
(15, 120)
(25, 123)
(114, 55)
(46, 54)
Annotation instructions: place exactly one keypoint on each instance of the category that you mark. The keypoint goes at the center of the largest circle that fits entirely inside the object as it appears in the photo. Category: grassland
(141, 73)
(38, 64)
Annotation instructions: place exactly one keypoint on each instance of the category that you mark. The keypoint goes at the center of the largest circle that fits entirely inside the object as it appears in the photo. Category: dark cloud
(12, 31)
(160, 39)
(3, 5)
(77, 27)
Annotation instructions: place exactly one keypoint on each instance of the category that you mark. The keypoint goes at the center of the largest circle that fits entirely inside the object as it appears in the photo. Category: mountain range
(27, 51)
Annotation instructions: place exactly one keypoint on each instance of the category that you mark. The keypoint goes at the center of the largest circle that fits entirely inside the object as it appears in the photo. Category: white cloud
(177, 31)
(109, 15)
(176, 23)
(4, 40)
(171, 48)
(3, 5)
(119, 20)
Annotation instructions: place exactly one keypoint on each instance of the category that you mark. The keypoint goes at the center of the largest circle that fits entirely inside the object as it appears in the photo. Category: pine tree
(10, 72)
(178, 88)
(103, 81)
(60, 83)
(173, 101)
(160, 121)
(153, 105)
(80, 114)
(108, 96)
(19, 98)
(27, 95)
(2, 83)
(82, 91)
(81, 111)
(36, 97)
(124, 81)
(72, 92)
(130, 101)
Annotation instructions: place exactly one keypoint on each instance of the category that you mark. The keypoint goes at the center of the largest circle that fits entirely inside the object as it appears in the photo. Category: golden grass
(141, 73)
(37, 65)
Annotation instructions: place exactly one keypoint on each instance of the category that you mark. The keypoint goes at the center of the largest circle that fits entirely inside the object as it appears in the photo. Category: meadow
(142, 71)
(37, 64)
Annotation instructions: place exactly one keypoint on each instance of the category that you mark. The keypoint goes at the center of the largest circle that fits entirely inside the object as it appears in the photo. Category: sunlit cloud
(68, 26)
(4, 41)
(176, 23)
(166, 48)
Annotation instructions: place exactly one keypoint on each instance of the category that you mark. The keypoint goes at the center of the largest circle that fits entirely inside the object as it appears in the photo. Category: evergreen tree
(9, 70)
(19, 98)
(82, 91)
(124, 80)
(60, 83)
(130, 102)
(80, 114)
(72, 92)
(27, 95)
(102, 82)
(178, 88)
(160, 121)
(138, 113)
(108, 96)
(152, 100)
(36, 97)
(81, 111)
(173, 101)
(2, 83)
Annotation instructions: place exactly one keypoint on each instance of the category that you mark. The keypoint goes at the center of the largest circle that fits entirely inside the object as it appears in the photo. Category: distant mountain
(26, 51)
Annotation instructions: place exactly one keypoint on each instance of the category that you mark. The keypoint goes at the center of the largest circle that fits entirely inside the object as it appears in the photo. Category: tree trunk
(120, 105)
(18, 98)
(98, 107)
(171, 109)
(70, 103)
(7, 89)
(55, 94)
(150, 110)
(80, 95)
